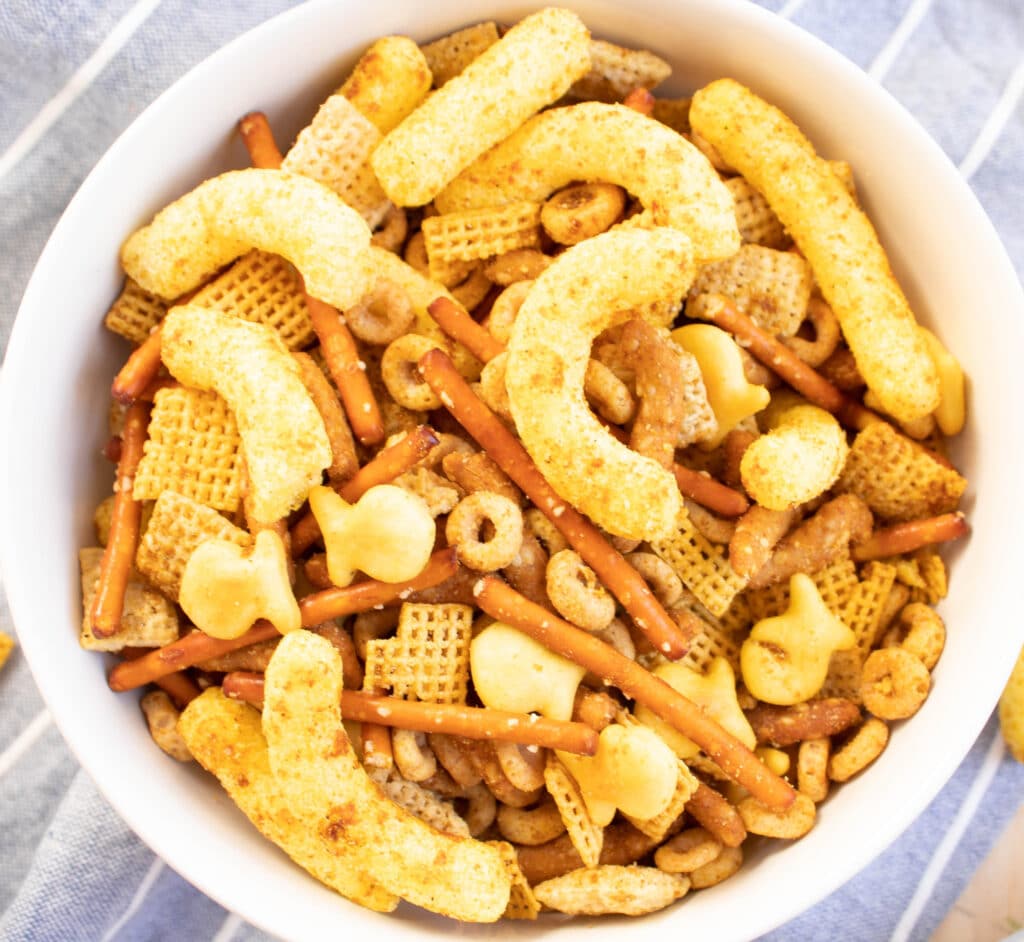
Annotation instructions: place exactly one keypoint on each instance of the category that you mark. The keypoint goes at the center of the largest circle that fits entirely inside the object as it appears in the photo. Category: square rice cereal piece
(481, 233)
(771, 287)
(615, 71)
(835, 583)
(586, 837)
(263, 288)
(135, 312)
(193, 448)
(449, 55)
(897, 478)
(755, 219)
(178, 525)
(149, 620)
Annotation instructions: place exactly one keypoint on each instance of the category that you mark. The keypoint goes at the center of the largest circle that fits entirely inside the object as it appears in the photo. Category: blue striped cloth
(958, 66)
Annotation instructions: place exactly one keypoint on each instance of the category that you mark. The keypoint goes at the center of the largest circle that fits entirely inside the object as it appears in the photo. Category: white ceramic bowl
(60, 363)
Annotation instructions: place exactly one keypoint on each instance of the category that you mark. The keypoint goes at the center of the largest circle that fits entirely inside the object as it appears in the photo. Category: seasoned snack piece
(531, 66)
(313, 761)
(135, 312)
(755, 219)
(283, 437)
(799, 457)
(522, 903)
(335, 150)
(894, 684)
(586, 835)
(827, 334)
(298, 218)
(428, 659)
(670, 177)
(263, 288)
(147, 619)
(176, 528)
(582, 211)
(834, 235)
(162, 719)
(390, 79)
(910, 536)
(859, 751)
(6, 647)
(481, 233)
(688, 851)
(756, 535)
(570, 303)
(631, 891)
(897, 478)
(382, 315)
(615, 71)
(466, 523)
(1011, 710)
(790, 824)
(577, 594)
(449, 55)
(770, 287)
(225, 738)
(784, 726)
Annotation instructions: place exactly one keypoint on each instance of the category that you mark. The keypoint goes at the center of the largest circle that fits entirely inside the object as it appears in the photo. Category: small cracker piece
(658, 827)
(135, 312)
(586, 837)
(835, 583)
(225, 738)
(615, 71)
(631, 891)
(522, 903)
(897, 478)
(449, 55)
(283, 437)
(702, 566)
(178, 525)
(335, 150)
(192, 448)
(6, 647)
(428, 658)
(149, 620)
(474, 234)
(265, 289)
(425, 805)
(770, 287)
(755, 219)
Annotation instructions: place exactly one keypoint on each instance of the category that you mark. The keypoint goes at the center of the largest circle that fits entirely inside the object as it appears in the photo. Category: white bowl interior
(60, 363)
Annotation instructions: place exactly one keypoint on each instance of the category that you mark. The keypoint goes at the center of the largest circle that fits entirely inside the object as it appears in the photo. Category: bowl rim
(137, 815)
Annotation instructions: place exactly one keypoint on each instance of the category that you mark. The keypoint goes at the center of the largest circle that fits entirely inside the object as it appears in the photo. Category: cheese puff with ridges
(273, 210)
(531, 66)
(833, 234)
(614, 144)
(283, 437)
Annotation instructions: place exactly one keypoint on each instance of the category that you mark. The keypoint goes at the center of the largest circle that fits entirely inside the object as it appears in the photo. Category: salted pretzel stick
(452, 719)
(112, 449)
(456, 322)
(909, 536)
(139, 370)
(388, 464)
(181, 688)
(336, 342)
(502, 602)
(640, 99)
(618, 576)
(780, 359)
(197, 646)
(123, 541)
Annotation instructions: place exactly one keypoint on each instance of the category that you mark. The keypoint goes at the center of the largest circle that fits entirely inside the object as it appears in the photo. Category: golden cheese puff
(388, 82)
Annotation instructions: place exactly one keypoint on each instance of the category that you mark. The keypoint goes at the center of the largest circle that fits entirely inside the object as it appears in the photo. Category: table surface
(957, 65)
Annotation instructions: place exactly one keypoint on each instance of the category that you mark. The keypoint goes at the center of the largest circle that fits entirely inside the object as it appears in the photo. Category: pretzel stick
(339, 349)
(112, 449)
(181, 688)
(505, 604)
(388, 464)
(779, 358)
(452, 719)
(198, 646)
(618, 576)
(139, 370)
(456, 322)
(123, 540)
(909, 536)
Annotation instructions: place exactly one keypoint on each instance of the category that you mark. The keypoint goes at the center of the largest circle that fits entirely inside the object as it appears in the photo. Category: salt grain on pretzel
(506, 605)
(119, 554)
(615, 573)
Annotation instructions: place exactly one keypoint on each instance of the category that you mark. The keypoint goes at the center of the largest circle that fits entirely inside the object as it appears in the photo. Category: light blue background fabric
(69, 868)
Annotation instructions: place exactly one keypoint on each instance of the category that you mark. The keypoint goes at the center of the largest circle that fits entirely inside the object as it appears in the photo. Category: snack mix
(523, 500)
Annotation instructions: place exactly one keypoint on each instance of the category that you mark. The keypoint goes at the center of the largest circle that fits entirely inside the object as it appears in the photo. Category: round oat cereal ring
(826, 334)
(582, 210)
(689, 850)
(391, 235)
(382, 315)
(412, 755)
(859, 751)
(401, 376)
(505, 308)
(721, 868)
(523, 765)
(576, 592)
(464, 525)
(894, 683)
(925, 633)
(531, 826)
(480, 809)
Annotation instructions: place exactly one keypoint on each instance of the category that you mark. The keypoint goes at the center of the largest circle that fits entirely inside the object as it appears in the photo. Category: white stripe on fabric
(227, 931)
(791, 9)
(145, 886)
(84, 76)
(949, 843)
(994, 124)
(891, 50)
(39, 725)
